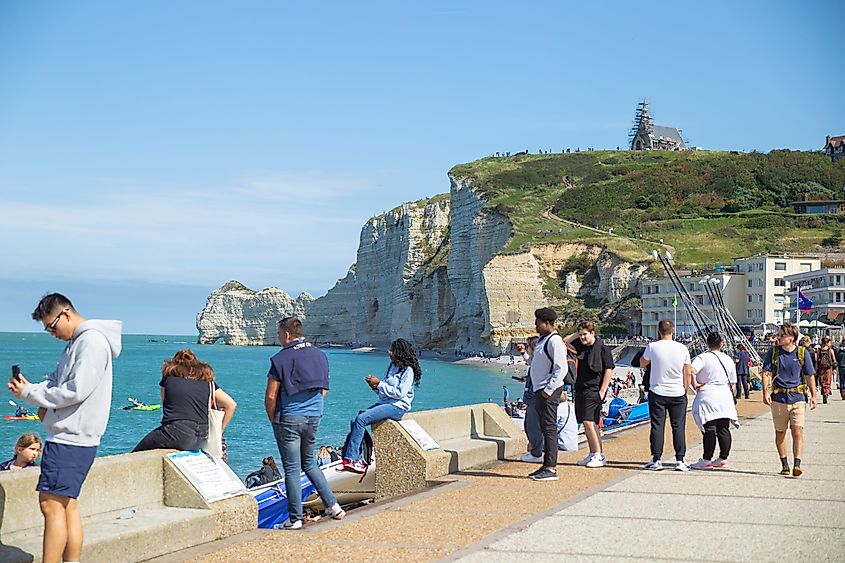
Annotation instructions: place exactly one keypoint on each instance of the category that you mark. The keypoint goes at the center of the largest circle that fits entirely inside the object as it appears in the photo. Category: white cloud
(268, 227)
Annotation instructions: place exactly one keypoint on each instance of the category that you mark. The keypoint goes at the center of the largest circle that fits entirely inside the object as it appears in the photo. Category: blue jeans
(295, 436)
(366, 417)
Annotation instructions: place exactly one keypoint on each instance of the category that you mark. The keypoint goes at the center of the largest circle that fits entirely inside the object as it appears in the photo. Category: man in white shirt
(671, 376)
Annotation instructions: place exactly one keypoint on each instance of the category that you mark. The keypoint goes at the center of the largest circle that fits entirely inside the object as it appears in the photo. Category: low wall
(468, 436)
(171, 514)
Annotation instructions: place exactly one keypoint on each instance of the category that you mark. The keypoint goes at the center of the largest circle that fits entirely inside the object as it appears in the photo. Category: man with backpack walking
(789, 370)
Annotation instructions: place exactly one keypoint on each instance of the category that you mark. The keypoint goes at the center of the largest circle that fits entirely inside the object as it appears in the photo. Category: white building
(766, 285)
(658, 294)
(755, 292)
(824, 287)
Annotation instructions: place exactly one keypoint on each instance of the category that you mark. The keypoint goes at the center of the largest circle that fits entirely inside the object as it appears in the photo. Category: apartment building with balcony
(825, 287)
(766, 286)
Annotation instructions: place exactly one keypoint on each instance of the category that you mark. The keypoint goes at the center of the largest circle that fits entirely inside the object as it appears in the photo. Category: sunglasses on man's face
(51, 328)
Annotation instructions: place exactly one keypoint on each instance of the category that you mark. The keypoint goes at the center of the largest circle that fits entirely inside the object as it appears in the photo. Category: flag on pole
(804, 302)
(675, 301)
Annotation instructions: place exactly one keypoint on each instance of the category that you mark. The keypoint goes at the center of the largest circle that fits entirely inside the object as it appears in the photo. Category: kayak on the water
(139, 406)
(26, 417)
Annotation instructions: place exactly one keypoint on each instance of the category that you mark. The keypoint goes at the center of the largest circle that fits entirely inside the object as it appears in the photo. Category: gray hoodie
(77, 394)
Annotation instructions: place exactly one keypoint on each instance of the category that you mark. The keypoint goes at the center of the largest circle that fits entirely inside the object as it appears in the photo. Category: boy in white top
(671, 376)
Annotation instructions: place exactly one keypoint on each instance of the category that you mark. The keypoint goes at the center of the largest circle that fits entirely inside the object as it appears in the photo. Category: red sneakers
(354, 466)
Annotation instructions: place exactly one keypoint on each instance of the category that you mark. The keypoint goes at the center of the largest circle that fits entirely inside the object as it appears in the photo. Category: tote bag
(214, 443)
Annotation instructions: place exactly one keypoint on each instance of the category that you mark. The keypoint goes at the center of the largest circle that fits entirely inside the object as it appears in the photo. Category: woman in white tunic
(713, 408)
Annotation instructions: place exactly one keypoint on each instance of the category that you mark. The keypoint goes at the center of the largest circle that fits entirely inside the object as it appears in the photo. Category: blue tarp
(273, 503)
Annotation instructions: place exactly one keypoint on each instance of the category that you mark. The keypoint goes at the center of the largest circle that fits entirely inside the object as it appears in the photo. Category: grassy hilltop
(710, 206)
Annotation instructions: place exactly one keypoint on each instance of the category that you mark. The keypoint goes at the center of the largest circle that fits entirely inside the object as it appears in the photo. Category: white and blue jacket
(396, 387)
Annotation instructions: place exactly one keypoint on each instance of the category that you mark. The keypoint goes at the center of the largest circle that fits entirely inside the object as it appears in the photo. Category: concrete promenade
(612, 513)
(744, 513)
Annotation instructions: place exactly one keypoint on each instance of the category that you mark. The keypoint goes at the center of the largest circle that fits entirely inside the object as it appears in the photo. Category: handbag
(214, 442)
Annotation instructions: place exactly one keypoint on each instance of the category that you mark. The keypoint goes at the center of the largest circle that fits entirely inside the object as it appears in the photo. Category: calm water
(241, 372)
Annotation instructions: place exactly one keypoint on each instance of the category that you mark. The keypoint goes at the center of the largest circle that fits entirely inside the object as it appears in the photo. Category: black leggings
(741, 384)
(721, 429)
(176, 435)
(547, 410)
(658, 405)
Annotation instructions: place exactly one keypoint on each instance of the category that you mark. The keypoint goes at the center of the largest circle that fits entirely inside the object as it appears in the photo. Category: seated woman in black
(186, 385)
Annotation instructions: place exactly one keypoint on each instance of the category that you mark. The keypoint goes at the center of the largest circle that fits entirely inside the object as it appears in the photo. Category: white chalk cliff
(237, 315)
(432, 272)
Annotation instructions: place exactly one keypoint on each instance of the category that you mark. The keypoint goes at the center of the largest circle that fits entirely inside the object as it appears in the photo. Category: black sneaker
(785, 470)
(536, 472)
(545, 475)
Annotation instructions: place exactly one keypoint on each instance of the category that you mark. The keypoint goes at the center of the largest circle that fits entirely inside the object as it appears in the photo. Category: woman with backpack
(826, 363)
(395, 395)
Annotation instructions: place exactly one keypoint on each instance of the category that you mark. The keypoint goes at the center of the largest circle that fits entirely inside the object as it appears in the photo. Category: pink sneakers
(354, 466)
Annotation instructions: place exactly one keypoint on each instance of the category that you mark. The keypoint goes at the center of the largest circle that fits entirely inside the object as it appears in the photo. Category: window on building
(780, 266)
(700, 299)
(805, 266)
(750, 283)
(748, 315)
(750, 298)
(780, 282)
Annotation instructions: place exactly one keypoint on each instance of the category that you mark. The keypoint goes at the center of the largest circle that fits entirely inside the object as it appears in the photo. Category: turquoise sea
(242, 372)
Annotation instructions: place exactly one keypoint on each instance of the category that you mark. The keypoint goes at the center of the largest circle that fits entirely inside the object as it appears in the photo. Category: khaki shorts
(785, 415)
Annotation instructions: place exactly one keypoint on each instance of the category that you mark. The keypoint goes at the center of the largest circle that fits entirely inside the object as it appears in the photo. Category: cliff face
(394, 289)
(432, 272)
(237, 315)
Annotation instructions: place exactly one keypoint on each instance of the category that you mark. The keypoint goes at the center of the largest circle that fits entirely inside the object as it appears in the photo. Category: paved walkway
(613, 513)
(745, 513)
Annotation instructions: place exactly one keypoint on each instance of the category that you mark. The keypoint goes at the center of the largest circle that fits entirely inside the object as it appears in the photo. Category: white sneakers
(681, 465)
(528, 458)
(335, 512)
(288, 525)
(596, 460)
(654, 466)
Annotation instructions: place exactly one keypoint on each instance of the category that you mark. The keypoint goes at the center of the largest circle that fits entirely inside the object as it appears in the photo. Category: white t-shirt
(667, 359)
(709, 372)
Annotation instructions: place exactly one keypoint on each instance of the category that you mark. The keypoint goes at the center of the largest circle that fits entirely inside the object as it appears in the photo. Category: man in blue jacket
(297, 384)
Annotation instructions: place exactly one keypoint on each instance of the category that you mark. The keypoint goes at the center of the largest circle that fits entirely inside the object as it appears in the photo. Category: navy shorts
(64, 468)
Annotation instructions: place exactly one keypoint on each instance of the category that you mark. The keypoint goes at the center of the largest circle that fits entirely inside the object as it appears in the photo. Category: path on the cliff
(549, 215)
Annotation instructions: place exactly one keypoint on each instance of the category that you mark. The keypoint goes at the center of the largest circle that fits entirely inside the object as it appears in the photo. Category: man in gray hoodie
(74, 403)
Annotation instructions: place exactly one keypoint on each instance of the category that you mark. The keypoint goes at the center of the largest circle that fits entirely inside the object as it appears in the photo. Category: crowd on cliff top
(75, 399)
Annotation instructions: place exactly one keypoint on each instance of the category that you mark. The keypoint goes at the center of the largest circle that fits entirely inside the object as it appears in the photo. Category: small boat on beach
(348, 487)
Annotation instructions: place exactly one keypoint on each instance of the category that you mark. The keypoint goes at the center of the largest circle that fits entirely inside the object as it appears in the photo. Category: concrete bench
(468, 436)
(171, 514)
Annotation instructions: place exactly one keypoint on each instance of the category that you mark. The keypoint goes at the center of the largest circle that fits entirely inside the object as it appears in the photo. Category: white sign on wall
(211, 477)
(416, 431)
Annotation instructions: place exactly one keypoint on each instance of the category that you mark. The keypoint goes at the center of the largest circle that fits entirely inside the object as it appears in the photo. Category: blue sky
(151, 151)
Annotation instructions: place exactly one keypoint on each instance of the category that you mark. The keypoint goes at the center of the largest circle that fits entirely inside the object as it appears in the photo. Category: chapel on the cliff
(646, 136)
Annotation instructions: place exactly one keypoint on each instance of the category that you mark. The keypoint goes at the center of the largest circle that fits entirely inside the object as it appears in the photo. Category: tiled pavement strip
(616, 512)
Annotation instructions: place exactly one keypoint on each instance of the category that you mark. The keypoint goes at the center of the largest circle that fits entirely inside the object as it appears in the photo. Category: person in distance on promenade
(395, 395)
(548, 369)
(742, 361)
(826, 363)
(595, 370)
(74, 403)
(789, 370)
(297, 384)
(713, 408)
(840, 364)
(671, 374)
(533, 431)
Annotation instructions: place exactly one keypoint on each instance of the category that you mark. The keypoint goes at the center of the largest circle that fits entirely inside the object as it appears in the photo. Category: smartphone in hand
(16, 371)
